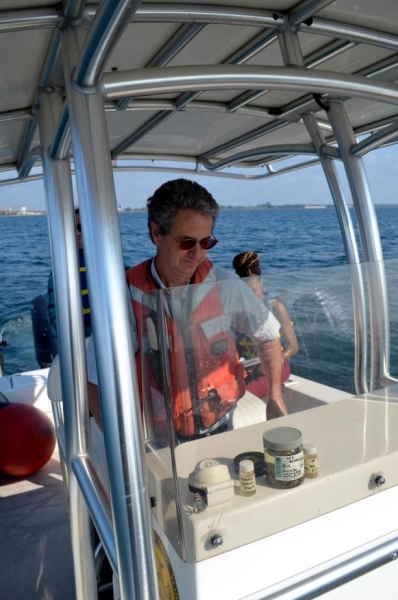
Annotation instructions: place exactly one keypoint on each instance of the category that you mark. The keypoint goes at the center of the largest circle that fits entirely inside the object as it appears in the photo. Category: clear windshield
(205, 392)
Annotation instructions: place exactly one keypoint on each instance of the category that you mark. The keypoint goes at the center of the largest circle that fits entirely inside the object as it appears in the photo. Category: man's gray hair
(175, 195)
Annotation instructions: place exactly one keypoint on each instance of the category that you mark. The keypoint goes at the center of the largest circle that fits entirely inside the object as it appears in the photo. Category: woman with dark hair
(247, 265)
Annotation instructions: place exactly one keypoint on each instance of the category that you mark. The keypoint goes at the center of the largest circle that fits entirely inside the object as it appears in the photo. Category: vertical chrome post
(371, 244)
(351, 250)
(292, 55)
(114, 349)
(167, 387)
(61, 221)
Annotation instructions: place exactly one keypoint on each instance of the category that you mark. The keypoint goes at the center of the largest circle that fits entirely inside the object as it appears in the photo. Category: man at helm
(207, 379)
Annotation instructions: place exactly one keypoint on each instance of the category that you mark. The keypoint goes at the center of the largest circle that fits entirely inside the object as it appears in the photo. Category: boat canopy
(243, 80)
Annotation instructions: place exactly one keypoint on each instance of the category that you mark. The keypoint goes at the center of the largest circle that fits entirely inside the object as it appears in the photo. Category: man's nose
(196, 250)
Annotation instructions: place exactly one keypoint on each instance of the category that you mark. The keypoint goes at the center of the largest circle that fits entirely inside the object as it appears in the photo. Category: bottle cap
(256, 457)
(282, 438)
(246, 466)
(309, 449)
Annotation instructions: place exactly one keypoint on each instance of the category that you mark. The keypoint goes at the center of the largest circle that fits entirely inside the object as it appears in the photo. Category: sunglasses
(79, 227)
(206, 243)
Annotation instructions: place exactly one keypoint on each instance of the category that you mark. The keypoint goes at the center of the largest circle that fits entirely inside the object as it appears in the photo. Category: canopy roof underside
(348, 43)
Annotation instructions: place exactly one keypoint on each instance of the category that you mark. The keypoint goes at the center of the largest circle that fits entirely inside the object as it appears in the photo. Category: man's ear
(155, 232)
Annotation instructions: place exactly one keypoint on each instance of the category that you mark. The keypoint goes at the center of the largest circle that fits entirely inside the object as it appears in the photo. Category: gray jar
(284, 457)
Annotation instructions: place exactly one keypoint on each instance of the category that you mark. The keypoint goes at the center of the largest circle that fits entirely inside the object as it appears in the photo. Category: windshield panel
(200, 373)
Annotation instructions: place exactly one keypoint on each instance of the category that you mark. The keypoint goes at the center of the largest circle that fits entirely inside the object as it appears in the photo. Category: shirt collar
(159, 282)
(155, 275)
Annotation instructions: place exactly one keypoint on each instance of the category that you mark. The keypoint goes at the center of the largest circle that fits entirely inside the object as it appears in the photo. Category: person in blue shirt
(83, 286)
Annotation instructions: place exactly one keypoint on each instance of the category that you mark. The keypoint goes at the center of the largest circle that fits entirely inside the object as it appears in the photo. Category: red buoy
(27, 439)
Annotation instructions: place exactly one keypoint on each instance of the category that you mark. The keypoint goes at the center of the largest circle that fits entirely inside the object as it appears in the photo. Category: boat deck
(35, 550)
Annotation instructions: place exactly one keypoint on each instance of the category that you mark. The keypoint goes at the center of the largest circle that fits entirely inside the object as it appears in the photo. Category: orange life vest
(204, 384)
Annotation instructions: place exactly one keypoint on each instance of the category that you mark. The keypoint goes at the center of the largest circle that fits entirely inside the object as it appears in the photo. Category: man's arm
(270, 354)
(92, 375)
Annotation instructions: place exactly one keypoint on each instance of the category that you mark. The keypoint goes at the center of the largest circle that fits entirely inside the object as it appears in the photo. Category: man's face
(79, 237)
(174, 265)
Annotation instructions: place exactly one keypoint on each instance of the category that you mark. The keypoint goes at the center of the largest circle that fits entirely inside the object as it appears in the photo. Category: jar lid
(256, 457)
(309, 449)
(246, 466)
(282, 438)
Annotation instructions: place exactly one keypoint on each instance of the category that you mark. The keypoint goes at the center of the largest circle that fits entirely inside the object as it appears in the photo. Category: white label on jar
(248, 484)
(311, 464)
(289, 468)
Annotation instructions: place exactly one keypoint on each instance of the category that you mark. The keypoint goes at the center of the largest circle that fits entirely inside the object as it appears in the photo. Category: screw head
(380, 480)
(216, 541)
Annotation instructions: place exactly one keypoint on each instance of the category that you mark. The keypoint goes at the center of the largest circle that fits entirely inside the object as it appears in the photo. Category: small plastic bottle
(247, 478)
(310, 461)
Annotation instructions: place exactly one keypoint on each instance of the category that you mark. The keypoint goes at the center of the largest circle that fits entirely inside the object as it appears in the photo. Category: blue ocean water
(302, 256)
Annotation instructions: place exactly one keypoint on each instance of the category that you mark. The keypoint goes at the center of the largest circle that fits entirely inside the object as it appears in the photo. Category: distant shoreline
(257, 207)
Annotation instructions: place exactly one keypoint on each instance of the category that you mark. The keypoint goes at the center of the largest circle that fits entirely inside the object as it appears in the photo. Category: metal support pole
(31, 126)
(292, 55)
(290, 48)
(371, 244)
(335, 573)
(306, 9)
(114, 349)
(351, 250)
(61, 221)
(167, 387)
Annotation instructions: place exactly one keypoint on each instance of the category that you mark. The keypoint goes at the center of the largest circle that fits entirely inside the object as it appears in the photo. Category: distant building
(23, 210)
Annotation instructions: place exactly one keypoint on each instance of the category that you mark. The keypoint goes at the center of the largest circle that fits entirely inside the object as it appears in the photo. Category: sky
(305, 186)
